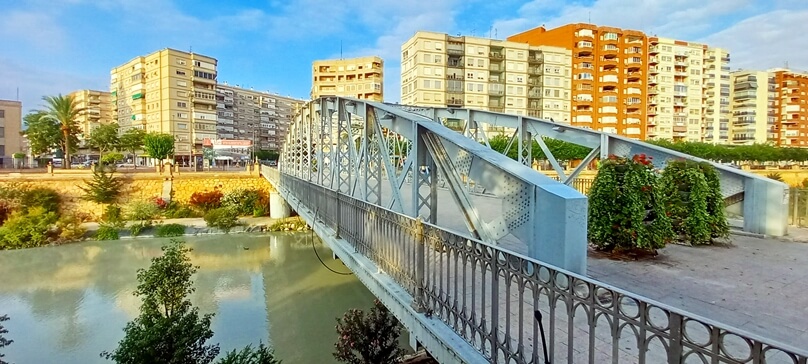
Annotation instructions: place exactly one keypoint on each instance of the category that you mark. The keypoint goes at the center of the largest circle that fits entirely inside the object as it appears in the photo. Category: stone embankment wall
(185, 185)
(137, 186)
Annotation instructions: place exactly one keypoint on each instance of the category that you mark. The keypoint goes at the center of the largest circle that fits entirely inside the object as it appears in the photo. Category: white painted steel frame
(435, 155)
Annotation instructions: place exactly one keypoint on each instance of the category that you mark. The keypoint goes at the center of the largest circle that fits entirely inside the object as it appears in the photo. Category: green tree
(105, 138)
(104, 187)
(169, 329)
(159, 146)
(249, 355)
(267, 155)
(64, 110)
(43, 133)
(132, 141)
(3, 341)
(368, 339)
(111, 158)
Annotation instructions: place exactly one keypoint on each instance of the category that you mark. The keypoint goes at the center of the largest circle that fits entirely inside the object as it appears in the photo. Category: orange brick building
(792, 96)
(609, 75)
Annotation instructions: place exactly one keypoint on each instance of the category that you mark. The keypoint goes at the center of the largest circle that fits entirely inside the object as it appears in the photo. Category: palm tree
(64, 110)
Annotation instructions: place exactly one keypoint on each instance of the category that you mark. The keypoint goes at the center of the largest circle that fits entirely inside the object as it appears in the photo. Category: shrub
(107, 232)
(104, 187)
(169, 328)
(70, 229)
(775, 176)
(371, 338)
(112, 158)
(170, 230)
(693, 201)
(222, 218)
(27, 229)
(113, 214)
(41, 197)
(175, 210)
(6, 209)
(805, 183)
(244, 202)
(160, 202)
(626, 210)
(207, 200)
(137, 227)
(249, 355)
(140, 210)
(3, 341)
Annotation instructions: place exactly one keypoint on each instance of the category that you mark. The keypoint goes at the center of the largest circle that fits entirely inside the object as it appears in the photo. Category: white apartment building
(439, 70)
(687, 78)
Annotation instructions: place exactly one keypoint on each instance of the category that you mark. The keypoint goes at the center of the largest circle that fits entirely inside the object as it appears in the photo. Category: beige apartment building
(361, 78)
(96, 109)
(168, 91)
(687, 81)
(753, 107)
(440, 70)
(10, 126)
(258, 116)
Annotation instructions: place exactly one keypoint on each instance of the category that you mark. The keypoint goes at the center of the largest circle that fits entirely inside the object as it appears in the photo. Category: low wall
(137, 186)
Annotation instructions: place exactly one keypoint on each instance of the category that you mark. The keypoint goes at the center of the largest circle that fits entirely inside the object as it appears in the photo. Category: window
(181, 73)
(2, 113)
(427, 83)
(180, 61)
(182, 104)
(205, 75)
(437, 59)
(182, 126)
(2, 132)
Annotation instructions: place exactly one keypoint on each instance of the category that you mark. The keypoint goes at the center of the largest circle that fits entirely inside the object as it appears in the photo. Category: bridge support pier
(278, 208)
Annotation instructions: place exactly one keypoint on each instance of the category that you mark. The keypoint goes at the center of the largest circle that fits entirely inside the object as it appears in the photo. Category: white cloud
(681, 19)
(400, 20)
(34, 82)
(39, 29)
(767, 40)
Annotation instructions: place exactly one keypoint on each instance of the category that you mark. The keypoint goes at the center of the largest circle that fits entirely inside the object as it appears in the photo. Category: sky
(50, 47)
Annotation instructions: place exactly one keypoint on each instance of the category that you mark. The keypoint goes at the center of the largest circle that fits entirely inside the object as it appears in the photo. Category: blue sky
(57, 46)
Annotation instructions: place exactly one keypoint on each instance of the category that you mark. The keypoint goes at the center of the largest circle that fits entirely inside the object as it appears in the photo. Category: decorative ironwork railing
(515, 309)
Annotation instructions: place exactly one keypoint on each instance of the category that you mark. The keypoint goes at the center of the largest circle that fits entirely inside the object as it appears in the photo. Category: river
(69, 303)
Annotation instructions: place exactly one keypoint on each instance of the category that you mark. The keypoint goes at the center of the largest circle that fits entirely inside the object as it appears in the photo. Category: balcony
(653, 70)
(535, 71)
(495, 55)
(454, 102)
(497, 80)
(496, 68)
(652, 101)
(535, 59)
(455, 51)
(653, 91)
(496, 92)
(652, 80)
(653, 60)
(653, 49)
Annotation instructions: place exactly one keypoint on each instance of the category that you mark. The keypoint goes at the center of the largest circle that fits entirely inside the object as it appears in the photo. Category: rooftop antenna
(589, 17)
(340, 49)
(190, 49)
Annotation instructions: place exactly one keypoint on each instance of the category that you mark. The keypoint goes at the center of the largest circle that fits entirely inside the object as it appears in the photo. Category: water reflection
(69, 303)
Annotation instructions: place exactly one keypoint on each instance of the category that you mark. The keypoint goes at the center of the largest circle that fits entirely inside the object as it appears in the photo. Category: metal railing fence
(515, 309)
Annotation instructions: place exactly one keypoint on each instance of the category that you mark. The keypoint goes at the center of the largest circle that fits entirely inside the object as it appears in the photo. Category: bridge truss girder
(389, 157)
(764, 202)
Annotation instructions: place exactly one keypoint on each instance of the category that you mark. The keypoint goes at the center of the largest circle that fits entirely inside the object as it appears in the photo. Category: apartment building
(752, 107)
(10, 126)
(260, 117)
(168, 91)
(609, 75)
(361, 78)
(440, 70)
(716, 108)
(96, 109)
(791, 107)
(686, 82)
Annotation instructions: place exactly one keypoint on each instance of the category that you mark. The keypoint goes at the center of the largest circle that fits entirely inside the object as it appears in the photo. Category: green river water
(68, 303)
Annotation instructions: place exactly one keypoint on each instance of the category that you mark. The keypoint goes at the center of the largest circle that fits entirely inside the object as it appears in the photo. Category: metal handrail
(490, 296)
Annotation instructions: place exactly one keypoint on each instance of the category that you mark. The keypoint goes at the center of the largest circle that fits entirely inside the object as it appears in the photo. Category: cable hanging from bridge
(311, 239)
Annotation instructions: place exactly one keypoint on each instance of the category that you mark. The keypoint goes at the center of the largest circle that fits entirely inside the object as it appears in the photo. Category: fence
(518, 310)
(798, 207)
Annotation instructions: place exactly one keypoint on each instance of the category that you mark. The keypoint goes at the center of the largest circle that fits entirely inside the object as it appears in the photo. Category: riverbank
(196, 226)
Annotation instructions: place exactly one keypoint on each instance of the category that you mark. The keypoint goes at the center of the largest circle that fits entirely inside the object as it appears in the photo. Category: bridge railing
(510, 307)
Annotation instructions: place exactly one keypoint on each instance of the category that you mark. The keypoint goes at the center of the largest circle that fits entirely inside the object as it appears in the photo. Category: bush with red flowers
(207, 200)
